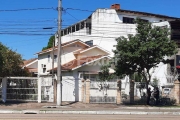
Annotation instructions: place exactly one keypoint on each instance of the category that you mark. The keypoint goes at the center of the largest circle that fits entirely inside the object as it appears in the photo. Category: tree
(50, 43)
(155, 82)
(143, 51)
(10, 62)
(104, 74)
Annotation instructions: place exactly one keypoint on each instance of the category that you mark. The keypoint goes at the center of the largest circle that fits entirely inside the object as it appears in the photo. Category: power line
(27, 9)
(27, 34)
(78, 9)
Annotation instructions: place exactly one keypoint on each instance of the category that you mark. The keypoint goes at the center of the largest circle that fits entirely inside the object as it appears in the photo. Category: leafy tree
(143, 51)
(10, 62)
(50, 43)
(104, 74)
(137, 77)
(155, 82)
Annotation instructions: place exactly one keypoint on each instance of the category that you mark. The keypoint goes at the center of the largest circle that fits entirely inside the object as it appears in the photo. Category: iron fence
(22, 89)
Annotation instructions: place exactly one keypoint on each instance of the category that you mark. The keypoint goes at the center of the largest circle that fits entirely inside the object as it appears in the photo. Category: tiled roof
(63, 44)
(26, 62)
(78, 62)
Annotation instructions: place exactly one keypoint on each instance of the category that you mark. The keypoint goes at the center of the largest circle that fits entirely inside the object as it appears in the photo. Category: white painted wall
(67, 56)
(33, 65)
(107, 25)
(93, 52)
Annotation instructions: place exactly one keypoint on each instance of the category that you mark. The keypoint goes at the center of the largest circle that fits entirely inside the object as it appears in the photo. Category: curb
(85, 112)
(150, 108)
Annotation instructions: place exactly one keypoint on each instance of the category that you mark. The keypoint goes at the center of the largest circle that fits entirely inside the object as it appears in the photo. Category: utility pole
(59, 76)
(53, 79)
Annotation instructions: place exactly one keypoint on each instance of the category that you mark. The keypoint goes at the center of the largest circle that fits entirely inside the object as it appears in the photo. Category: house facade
(31, 66)
(103, 26)
(79, 61)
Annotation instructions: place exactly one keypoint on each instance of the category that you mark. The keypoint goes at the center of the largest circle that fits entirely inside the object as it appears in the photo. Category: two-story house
(80, 60)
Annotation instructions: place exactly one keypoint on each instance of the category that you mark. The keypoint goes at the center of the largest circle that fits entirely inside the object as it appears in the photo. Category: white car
(167, 90)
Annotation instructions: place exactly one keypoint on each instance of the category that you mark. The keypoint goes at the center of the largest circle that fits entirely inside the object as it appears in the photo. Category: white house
(103, 26)
(79, 61)
(31, 66)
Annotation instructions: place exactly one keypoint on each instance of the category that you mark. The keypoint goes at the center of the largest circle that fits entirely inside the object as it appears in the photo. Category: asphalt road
(85, 117)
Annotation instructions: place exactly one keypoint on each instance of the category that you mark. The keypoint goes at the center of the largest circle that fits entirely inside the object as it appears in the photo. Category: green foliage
(104, 73)
(155, 82)
(137, 77)
(143, 51)
(50, 43)
(10, 62)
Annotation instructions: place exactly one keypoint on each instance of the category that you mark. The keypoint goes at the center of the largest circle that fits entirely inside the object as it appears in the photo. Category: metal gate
(103, 92)
(22, 89)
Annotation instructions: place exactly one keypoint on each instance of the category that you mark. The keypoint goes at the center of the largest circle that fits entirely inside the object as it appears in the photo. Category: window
(73, 29)
(143, 20)
(90, 42)
(88, 28)
(44, 70)
(55, 58)
(65, 32)
(128, 20)
(82, 25)
(48, 58)
(77, 27)
(69, 30)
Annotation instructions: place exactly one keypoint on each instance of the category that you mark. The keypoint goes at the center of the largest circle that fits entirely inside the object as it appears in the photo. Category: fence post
(87, 97)
(118, 101)
(177, 91)
(39, 89)
(131, 93)
(82, 91)
(4, 89)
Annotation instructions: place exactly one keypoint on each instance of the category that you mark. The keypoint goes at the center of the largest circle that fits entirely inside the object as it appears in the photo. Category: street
(85, 117)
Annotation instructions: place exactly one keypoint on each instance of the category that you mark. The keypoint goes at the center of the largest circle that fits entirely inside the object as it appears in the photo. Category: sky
(22, 30)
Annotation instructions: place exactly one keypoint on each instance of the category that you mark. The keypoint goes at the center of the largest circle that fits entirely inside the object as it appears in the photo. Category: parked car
(167, 91)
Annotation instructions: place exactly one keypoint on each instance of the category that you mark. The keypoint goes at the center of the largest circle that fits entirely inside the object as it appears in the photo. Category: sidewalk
(81, 108)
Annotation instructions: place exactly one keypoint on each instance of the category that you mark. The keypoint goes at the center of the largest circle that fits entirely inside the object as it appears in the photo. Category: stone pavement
(81, 108)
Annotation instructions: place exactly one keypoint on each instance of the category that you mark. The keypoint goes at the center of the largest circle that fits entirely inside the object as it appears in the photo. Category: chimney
(115, 6)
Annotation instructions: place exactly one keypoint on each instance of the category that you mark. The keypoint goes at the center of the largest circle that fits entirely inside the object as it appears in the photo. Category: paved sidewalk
(81, 108)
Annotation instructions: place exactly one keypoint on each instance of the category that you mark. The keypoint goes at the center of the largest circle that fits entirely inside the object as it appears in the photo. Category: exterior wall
(125, 85)
(92, 52)
(43, 59)
(33, 65)
(71, 86)
(107, 25)
(67, 55)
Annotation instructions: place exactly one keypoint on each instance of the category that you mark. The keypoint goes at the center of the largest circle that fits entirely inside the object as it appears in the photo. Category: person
(156, 95)
(148, 95)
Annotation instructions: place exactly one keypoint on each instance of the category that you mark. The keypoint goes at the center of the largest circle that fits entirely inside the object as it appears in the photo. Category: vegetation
(104, 74)
(10, 62)
(155, 82)
(50, 43)
(143, 51)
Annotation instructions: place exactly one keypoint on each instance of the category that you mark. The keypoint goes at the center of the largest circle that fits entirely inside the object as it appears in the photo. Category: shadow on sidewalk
(68, 103)
(9, 103)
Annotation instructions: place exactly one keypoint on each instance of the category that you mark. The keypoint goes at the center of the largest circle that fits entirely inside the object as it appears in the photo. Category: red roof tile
(77, 62)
